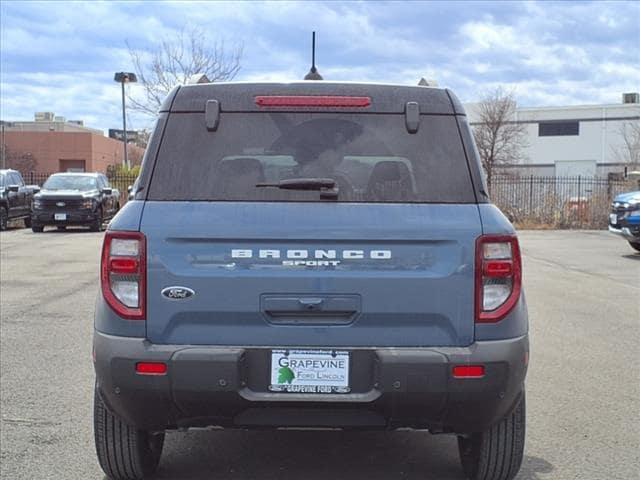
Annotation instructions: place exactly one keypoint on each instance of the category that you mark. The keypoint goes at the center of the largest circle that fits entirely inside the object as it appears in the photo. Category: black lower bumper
(390, 387)
(73, 218)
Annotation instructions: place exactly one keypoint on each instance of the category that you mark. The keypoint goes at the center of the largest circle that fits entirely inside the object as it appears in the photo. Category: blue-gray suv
(311, 255)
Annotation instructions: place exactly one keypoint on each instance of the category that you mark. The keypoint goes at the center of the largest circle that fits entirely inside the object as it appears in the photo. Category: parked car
(132, 190)
(15, 198)
(311, 255)
(74, 199)
(624, 218)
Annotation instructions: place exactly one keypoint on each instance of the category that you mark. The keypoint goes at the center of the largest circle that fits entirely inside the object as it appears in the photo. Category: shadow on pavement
(532, 466)
(53, 230)
(307, 455)
(319, 455)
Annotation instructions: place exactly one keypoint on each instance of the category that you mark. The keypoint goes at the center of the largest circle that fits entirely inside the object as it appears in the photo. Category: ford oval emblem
(178, 293)
(60, 204)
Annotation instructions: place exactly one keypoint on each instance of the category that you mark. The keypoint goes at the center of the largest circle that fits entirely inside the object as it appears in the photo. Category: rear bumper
(391, 387)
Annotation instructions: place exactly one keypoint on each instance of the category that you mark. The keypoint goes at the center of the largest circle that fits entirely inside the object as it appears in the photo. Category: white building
(582, 140)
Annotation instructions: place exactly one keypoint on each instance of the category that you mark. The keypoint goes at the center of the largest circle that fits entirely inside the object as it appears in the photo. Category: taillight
(123, 273)
(498, 276)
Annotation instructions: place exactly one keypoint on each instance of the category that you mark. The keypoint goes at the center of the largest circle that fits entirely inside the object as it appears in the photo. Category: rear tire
(4, 218)
(27, 222)
(37, 228)
(124, 452)
(496, 453)
(635, 245)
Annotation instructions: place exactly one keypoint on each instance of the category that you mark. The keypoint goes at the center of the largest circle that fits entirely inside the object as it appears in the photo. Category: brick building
(53, 144)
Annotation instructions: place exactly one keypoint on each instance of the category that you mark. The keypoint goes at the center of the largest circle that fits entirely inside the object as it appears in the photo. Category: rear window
(371, 158)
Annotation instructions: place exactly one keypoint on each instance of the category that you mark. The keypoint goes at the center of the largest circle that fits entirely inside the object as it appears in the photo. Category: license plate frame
(310, 371)
(60, 216)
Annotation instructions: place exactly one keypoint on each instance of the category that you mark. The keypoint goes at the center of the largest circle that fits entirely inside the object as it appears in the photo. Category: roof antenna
(313, 73)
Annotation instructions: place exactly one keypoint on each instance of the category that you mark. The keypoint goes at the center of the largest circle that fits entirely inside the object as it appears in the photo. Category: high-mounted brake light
(498, 276)
(123, 273)
(311, 101)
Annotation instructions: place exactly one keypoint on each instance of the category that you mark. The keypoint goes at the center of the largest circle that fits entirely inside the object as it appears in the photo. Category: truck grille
(50, 203)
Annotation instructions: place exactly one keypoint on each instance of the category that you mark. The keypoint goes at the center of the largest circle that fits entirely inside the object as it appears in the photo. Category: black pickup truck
(75, 199)
(15, 198)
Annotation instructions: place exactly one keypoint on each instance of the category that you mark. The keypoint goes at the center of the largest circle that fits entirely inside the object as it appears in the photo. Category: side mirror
(129, 188)
(13, 188)
(107, 191)
(36, 189)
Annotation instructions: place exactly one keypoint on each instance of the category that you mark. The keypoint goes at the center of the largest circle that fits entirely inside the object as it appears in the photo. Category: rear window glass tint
(371, 157)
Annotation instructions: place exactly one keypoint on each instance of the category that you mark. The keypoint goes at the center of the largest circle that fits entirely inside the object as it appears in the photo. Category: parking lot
(583, 292)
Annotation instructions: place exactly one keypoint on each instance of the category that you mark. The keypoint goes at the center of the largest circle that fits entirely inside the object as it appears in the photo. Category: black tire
(96, 225)
(495, 454)
(27, 222)
(37, 228)
(4, 218)
(124, 452)
(635, 245)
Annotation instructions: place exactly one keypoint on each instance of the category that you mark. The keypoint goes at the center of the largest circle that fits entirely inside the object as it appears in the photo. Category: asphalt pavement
(583, 292)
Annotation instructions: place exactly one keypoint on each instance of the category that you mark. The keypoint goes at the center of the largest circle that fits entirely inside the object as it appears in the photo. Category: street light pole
(122, 78)
(124, 127)
(4, 154)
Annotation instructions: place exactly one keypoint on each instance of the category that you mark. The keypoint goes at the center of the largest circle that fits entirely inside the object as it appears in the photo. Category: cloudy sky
(60, 56)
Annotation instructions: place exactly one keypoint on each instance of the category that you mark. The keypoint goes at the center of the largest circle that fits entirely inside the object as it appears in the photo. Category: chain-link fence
(529, 202)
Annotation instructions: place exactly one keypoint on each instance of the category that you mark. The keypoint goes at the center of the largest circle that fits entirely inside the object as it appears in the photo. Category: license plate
(59, 216)
(613, 218)
(309, 371)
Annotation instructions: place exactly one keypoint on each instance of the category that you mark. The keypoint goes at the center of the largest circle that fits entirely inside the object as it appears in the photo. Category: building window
(558, 129)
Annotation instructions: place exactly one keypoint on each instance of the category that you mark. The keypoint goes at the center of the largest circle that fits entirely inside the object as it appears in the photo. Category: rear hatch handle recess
(326, 186)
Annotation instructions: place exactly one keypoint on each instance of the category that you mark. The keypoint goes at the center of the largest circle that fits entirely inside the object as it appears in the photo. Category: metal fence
(35, 178)
(557, 202)
(118, 180)
(121, 181)
(529, 202)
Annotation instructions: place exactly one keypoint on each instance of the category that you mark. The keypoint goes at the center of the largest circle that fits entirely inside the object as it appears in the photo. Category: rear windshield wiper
(326, 186)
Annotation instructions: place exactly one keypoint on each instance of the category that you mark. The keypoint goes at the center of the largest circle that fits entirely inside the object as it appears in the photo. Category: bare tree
(175, 60)
(629, 151)
(499, 138)
(142, 138)
(24, 162)
(135, 154)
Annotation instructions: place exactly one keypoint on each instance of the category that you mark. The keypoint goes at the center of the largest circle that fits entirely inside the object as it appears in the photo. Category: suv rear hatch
(384, 256)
